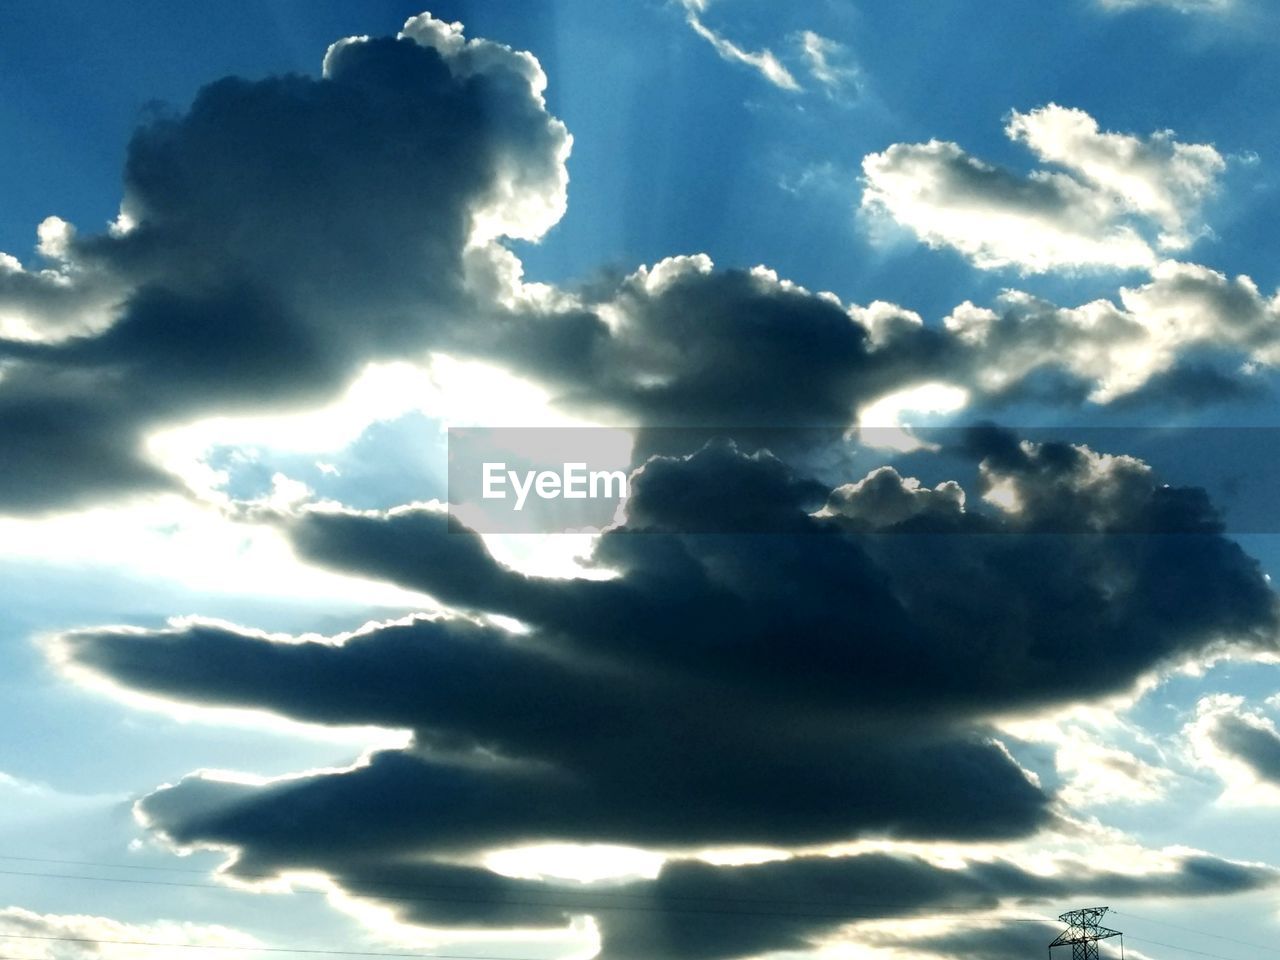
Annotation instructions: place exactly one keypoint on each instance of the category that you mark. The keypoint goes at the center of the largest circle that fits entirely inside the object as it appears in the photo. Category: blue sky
(257, 687)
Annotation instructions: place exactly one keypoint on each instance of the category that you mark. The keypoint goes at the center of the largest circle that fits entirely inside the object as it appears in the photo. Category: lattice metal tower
(1083, 933)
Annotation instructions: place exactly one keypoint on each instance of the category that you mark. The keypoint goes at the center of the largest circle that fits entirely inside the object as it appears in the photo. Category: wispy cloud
(764, 61)
(828, 62)
(1182, 6)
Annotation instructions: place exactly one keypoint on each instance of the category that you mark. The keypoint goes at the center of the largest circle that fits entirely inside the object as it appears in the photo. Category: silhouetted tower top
(1083, 933)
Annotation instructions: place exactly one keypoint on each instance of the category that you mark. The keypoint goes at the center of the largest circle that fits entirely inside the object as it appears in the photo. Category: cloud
(1257, 744)
(884, 499)
(828, 62)
(1115, 350)
(273, 240)
(682, 344)
(1096, 755)
(990, 940)
(1156, 177)
(763, 61)
(1182, 6)
(675, 344)
(811, 899)
(1097, 212)
(1241, 746)
(212, 295)
(532, 747)
(59, 300)
(814, 683)
(996, 218)
(26, 933)
(792, 688)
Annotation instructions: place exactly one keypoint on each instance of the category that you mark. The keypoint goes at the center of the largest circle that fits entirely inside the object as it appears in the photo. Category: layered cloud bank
(802, 681)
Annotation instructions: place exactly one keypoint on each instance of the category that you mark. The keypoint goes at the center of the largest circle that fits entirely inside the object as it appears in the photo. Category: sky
(937, 342)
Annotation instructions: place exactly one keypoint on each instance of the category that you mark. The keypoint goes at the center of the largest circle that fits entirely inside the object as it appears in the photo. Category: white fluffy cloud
(1154, 177)
(1114, 201)
(1120, 347)
(59, 299)
(1046, 221)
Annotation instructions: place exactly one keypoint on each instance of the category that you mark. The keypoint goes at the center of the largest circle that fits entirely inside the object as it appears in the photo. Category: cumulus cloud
(997, 218)
(60, 299)
(816, 899)
(1257, 744)
(274, 239)
(884, 499)
(1155, 177)
(272, 244)
(1116, 349)
(681, 344)
(1097, 211)
(677, 344)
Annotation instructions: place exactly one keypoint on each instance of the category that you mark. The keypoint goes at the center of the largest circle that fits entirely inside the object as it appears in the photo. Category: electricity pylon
(1083, 933)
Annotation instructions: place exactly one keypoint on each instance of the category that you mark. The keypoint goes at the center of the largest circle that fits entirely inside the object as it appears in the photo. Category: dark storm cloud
(785, 905)
(698, 911)
(696, 347)
(68, 436)
(812, 606)
(284, 232)
(981, 941)
(806, 684)
(515, 741)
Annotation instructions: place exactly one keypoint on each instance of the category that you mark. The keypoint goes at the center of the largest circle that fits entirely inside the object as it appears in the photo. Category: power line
(1203, 933)
(263, 949)
(497, 901)
(1174, 946)
(254, 949)
(258, 949)
(392, 884)
(408, 885)
(582, 905)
